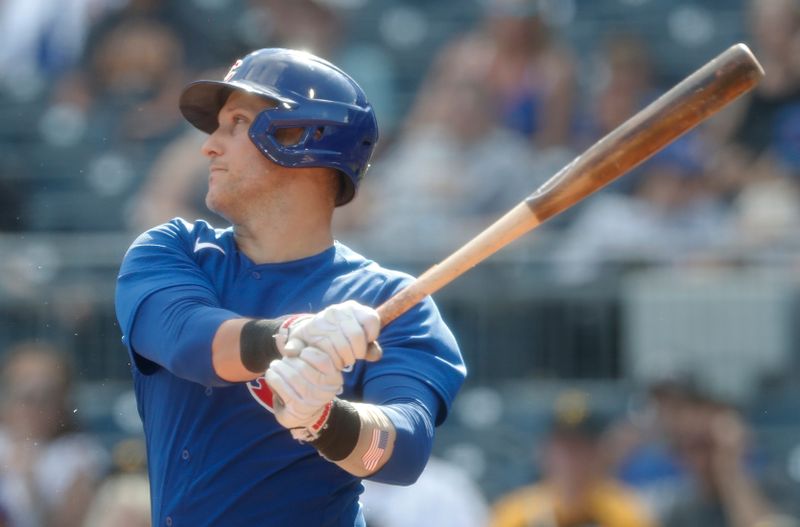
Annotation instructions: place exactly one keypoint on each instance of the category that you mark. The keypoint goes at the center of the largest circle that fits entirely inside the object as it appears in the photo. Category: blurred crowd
(688, 460)
(94, 142)
(91, 140)
(52, 472)
(680, 456)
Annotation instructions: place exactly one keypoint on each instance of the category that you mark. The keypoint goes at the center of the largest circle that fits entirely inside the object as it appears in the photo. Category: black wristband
(339, 436)
(257, 346)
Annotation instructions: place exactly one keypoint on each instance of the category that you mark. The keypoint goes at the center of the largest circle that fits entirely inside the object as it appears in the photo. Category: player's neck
(285, 236)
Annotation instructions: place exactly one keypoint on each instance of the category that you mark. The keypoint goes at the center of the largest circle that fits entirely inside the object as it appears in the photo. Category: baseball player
(248, 344)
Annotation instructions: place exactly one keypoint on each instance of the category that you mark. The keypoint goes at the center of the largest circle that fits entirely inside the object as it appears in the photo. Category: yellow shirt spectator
(607, 504)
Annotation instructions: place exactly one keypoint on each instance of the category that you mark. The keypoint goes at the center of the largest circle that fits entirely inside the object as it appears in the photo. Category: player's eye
(240, 119)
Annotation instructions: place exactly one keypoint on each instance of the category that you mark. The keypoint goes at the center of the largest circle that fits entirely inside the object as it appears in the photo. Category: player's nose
(212, 146)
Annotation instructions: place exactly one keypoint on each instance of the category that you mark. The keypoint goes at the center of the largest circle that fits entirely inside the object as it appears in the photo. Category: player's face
(241, 178)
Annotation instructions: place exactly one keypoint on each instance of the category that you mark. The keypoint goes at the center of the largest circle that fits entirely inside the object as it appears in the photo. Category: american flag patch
(376, 449)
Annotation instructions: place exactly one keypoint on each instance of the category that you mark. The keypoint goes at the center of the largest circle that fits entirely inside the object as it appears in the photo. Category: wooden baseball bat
(693, 100)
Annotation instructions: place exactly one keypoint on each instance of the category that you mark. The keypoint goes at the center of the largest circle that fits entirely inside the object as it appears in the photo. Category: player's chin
(217, 203)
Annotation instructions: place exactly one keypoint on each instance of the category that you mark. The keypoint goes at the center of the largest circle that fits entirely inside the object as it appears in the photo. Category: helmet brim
(202, 100)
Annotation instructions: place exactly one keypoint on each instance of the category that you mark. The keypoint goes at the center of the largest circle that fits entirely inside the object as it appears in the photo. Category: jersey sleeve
(167, 307)
(419, 345)
(412, 406)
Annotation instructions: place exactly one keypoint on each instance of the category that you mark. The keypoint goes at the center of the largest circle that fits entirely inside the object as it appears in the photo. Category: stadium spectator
(215, 31)
(449, 174)
(623, 85)
(48, 469)
(525, 72)
(691, 458)
(642, 446)
(764, 127)
(123, 499)
(129, 84)
(761, 164)
(712, 443)
(771, 116)
(108, 121)
(576, 489)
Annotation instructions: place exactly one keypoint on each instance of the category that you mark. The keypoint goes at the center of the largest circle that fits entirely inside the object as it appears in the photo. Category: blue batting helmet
(340, 130)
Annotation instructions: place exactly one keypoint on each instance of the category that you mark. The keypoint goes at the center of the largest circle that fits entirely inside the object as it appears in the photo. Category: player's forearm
(358, 437)
(243, 348)
(414, 430)
(226, 354)
(391, 442)
(202, 343)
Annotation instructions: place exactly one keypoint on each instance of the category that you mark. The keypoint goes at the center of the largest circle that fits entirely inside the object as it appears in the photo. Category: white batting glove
(304, 385)
(343, 331)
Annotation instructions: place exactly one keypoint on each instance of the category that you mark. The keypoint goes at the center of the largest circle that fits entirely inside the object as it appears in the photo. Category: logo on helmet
(232, 71)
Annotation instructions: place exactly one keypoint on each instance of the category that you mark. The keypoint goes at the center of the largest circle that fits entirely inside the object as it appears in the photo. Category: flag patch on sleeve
(376, 449)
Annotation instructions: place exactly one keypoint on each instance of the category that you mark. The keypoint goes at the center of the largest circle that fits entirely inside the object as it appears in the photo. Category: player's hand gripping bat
(697, 97)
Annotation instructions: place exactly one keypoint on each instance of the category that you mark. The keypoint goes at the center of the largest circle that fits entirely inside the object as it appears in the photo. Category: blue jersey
(216, 454)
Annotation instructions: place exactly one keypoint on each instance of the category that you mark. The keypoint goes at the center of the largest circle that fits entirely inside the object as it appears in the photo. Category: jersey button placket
(185, 455)
(168, 521)
(256, 275)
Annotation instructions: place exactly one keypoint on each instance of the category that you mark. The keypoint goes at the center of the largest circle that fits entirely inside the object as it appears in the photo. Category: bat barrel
(694, 99)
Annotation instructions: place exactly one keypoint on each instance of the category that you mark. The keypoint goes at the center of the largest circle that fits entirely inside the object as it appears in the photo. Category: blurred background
(632, 362)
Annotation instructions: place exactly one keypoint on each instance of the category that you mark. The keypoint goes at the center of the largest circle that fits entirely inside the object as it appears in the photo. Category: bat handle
(398, 304)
